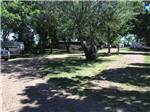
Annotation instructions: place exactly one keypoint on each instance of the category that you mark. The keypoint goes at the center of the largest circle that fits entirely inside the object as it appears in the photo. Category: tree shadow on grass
(71, 95)
(136, 74)
(68, 65)
(143, 50)
(141, 64)
(66, 95)
(38, 68)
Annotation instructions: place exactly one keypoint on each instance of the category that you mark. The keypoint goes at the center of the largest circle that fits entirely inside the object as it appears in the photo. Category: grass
(114, 50)
(48, 52)
(63, 51)
(147, 59)
(73, 67)
(125, 49)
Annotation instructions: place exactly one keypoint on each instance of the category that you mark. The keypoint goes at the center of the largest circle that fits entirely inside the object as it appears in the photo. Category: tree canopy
(87, 21)
(141, 26)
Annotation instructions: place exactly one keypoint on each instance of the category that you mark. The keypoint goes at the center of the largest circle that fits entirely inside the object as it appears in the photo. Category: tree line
(89, 22)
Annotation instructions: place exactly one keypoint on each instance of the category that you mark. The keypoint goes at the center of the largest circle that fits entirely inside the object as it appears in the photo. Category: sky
(148, 7)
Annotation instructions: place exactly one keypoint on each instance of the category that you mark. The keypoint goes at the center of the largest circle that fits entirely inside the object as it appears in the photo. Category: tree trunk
(42, 43)
(51, 46)
(89, 50)
(55, 40)
(5, 34)
(118, 48)
(91, 54)
(109, 48)
(88, 45)
(67, 48)
(21, 39)
(67, 44)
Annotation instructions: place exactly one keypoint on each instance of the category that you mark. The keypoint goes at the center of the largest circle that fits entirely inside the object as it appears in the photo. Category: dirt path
(15, 77)
(1, 94)
(126, 60)
(113, 69)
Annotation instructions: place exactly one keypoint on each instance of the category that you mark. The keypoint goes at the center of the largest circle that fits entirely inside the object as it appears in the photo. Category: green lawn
(72, 67)
(125, 49)
(147, 59)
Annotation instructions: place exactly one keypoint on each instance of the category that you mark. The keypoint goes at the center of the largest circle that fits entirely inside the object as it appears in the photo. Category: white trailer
(13, 48)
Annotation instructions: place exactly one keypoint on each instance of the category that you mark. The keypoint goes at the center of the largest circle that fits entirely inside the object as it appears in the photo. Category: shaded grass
(63, 51)
(47, 52)
(72, 67)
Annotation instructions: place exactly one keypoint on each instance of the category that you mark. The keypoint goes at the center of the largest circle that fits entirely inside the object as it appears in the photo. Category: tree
(44, 19)
(65, 26)
(83, 17)
(15, 17)
(96, 19)
(117, 15)
(141, 26)
(87, 21)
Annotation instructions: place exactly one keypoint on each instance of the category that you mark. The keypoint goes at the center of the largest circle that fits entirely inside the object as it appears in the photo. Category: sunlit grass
(114, 50)
(99, 84)
(147, 59)
(125, 49)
